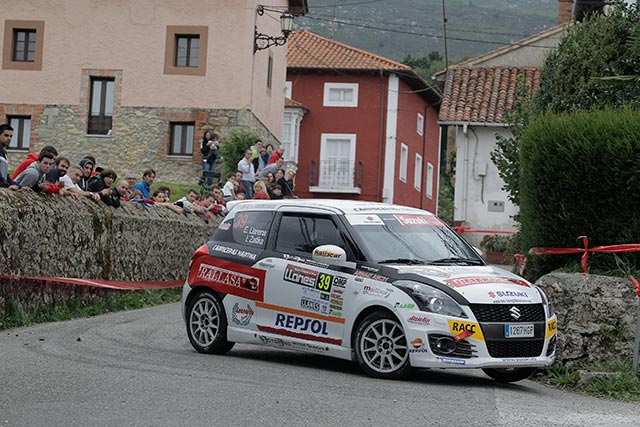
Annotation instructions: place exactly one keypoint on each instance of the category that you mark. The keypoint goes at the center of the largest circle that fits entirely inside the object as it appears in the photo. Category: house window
(101, 106)
(337, 160)
(340, 95)
(186, 50)
(404, 156)
(269, 72)
(21, 132)
(420, 124)
(429, 180)
(23, 42)
(417, 175)
(288, 87)
(181, 142)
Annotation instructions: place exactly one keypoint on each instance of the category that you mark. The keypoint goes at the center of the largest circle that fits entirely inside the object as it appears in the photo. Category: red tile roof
(309, 50)
(483, 95)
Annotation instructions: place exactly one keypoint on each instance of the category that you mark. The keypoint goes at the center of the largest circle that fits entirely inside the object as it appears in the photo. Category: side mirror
(332, 255)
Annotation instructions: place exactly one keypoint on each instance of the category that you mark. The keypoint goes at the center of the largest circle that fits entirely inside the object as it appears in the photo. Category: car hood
(478, 284)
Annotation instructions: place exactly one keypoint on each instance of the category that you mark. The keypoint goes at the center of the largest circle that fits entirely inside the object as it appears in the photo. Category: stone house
(136, 83)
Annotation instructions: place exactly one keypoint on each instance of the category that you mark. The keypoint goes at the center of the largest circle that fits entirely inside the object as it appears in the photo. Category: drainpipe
(423, 177)
(465, 182)
(383, 102)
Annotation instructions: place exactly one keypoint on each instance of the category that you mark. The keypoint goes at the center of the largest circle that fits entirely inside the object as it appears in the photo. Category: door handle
(266, 264)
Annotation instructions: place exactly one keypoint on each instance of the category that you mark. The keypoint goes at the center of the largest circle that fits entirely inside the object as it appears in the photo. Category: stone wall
(140, 136)
(597, 317)
(46, 235)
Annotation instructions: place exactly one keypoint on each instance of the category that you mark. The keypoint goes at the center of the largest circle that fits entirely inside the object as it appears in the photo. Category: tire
(509, 375)
(207, 324)
(381, 347)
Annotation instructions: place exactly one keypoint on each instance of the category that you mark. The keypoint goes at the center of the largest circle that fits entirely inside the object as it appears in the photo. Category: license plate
(518, 331)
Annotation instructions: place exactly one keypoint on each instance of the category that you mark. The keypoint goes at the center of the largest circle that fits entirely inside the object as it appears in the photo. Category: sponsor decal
(290, 321)
(336, 306)
(424, 220)
(519, 359)
(375, 208)
(314, 295)
(241, 316)
(419, 319)
(313, 305)
(224, 226)
(297, 312)
(418, 350)
(279, 342)
(325, 253)
(336, 313)
(551, 328)
(336, 296)
(401, 305)
(456, 327)
(382, 293)
(364, 220)
(470, 281)
(417, 343)
(210, 273)
(339, 282)
(228, 277)
(462, 335)
(452, 361)
(424, 271)
(300, 275)
(368, 275)
(296, 258)
(513, 294)
(233, 251)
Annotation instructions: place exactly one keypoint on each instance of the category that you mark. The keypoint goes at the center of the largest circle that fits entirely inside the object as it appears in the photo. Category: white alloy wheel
(207, 324)
(382, 349)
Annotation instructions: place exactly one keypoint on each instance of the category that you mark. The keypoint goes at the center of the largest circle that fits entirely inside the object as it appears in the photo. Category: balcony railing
(335, 176)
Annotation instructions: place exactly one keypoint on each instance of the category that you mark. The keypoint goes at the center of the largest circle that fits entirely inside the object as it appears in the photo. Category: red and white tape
(99, 283)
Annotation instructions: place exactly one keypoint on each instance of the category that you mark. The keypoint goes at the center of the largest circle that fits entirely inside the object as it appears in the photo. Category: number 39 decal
(324, 282)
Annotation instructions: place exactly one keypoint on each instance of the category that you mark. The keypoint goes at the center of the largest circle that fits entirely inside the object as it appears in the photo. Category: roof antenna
(444, 31)
(335, 24)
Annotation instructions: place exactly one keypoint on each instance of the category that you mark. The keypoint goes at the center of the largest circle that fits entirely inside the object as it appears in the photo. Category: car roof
(339, 206)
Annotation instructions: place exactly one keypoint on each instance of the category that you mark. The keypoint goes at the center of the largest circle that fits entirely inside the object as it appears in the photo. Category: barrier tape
(107, 284)
(636, 284)
(626, 247)
(460, 229)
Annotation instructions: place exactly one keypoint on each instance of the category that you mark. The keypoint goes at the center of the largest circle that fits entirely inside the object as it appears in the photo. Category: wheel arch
(199, 289)
(364, 313)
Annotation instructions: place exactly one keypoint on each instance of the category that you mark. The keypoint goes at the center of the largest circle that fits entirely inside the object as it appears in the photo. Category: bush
(232, 150)
(580, 176)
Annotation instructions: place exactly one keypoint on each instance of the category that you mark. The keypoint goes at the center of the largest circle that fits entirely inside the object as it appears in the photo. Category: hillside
(396, 28)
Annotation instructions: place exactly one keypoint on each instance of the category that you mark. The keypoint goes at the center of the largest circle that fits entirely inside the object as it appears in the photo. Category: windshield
(411, 239)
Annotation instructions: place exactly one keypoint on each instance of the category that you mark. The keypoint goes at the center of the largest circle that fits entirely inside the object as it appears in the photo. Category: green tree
(597, 47)
(425, 66)
(232, 149)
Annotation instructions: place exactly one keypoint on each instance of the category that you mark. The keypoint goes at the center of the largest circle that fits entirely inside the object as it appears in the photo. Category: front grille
(464, 349)
(500, 312)
(531, 348)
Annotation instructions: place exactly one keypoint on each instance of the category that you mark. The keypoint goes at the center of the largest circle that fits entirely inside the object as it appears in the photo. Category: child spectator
(260, 191)
(102, 183)
(160, 199)
(228, 191)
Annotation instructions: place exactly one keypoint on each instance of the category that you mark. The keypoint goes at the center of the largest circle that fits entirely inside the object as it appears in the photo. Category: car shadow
(435, 377)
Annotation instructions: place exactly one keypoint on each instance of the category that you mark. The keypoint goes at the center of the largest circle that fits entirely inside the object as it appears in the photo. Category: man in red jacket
(277, 155)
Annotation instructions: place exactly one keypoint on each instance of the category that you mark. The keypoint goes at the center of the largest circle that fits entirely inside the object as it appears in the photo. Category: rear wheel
(381, 346)
(509, 375)
(207, 324)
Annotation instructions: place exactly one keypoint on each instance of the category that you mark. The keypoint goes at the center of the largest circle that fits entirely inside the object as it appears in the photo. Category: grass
(178, 191)
(107, 302)
(618, 382)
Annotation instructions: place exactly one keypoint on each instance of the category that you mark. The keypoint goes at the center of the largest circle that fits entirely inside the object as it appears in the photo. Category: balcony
(335, 176)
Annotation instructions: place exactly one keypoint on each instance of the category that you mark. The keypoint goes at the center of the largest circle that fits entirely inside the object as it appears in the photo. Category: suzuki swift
(387, 286)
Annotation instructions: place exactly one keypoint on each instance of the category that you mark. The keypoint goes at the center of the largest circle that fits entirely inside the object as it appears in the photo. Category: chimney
(565, 11)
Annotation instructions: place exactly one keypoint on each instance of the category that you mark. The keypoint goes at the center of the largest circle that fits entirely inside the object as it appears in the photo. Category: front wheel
(207, 324)
(509, 375)
(381, 347)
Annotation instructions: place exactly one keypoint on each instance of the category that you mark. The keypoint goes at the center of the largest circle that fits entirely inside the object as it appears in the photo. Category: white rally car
(388, 286)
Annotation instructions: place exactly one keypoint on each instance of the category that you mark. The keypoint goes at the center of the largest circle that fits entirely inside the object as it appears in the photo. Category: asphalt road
(137, 368)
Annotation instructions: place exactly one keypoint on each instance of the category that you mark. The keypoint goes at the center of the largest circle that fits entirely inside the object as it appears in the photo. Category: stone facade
(139, 139)
(597, 318)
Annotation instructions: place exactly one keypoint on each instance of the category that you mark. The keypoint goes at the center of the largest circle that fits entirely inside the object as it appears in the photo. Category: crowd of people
(259, 175)
(50, 173)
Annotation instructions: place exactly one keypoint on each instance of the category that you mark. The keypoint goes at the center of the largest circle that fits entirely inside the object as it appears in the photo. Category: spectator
(35, 174)
(276, 193)
(189, 202)
(70, 185)
(278, 154)
(121, 191)
(285, 183)
(211, 204)
(269, 149)
(248, 177)
(255, 155)
(32, 157)
(144, 186)
(166, 190)
(160, 199)
(6, 133)
(229, 191)
(272, 168)
(264, 157)
(209, 162)
(239, 182)
(131, 178)
(260, 191)
(102, 183)
(87, 164)
(61, 166)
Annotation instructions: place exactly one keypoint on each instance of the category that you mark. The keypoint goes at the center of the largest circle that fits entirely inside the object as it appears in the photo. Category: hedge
(580, 175)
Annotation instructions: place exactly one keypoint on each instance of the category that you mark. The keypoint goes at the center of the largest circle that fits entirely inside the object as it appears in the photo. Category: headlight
(431, 299)
(545, 301)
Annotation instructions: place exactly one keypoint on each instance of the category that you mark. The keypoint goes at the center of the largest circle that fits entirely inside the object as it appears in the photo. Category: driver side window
(300, 235)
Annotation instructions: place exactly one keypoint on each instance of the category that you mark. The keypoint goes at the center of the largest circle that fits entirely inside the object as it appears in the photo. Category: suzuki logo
(515, 312)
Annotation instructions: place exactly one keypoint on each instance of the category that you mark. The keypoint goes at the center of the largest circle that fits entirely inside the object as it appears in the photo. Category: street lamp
(263, 41)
